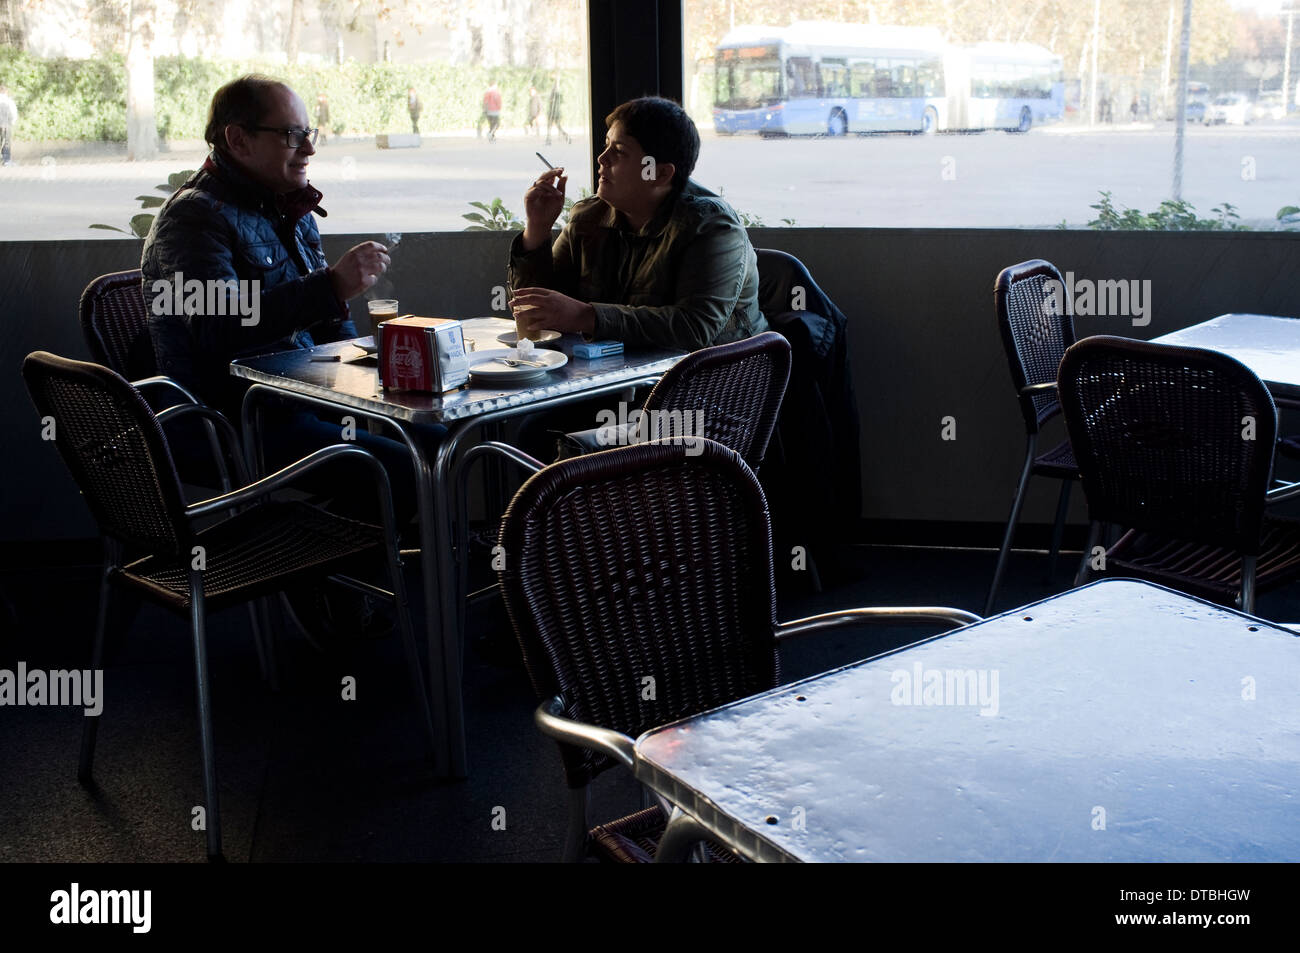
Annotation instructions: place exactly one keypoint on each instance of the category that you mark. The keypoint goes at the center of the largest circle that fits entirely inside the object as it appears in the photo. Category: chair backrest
(639, 584)
(115, 324)
(1036, 319)
(1170, 439)
(112, 443)
(730, 393)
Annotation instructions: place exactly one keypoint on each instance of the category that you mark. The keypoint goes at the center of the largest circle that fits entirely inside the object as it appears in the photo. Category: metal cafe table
(1120, 721)
(351, 386)
(1267, 344)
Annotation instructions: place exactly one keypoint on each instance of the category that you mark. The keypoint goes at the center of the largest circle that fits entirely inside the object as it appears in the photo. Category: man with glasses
(243, 226)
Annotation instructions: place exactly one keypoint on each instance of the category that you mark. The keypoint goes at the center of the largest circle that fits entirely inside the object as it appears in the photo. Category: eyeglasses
(293, 138)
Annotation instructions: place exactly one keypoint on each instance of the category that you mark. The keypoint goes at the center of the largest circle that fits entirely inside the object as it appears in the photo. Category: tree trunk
(141, 127)
(295, 28)
(11, 25)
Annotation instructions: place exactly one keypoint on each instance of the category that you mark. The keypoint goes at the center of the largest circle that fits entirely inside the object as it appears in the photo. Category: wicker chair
(1035, 334)
(115, 323)
(117, 452)
(735, 389)
(1165, 448)
(639, 583)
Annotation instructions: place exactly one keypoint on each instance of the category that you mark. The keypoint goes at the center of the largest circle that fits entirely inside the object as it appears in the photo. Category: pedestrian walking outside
(491, 112)
(413, 107)
(553, 111)
(534, 111)
(323, 117)
(8, 119)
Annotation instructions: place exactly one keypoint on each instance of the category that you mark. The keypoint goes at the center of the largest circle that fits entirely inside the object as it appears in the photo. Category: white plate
(511, 338)
(484, 366)
(366, 344)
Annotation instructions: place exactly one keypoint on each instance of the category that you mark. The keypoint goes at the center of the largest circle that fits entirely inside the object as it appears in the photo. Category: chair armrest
(614, 744)
(160, 381)
(1281, 493)
(223, 427)
(885, 614)
(313, 461)
(500, 449)
(1034, 390)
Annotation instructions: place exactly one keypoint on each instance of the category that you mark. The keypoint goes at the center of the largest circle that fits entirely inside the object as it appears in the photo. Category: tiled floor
(307, 776)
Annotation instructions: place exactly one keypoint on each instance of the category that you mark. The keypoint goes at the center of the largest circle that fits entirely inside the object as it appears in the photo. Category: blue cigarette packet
(594, 349)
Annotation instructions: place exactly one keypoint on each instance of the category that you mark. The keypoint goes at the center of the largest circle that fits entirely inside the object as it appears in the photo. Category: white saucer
(511, 338)
(484, 366)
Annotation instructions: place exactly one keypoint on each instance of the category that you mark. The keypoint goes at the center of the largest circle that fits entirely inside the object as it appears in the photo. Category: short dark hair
(241, 102)
(664, 131)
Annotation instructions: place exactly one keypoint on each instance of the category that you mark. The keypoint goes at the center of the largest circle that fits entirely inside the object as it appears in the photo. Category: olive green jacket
(689, 279)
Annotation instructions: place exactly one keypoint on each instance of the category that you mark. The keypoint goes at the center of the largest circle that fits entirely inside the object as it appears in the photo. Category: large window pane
(919, 113)
(72, 68)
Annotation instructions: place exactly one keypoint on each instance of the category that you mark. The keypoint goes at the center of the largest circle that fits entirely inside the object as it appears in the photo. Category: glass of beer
(381, 309)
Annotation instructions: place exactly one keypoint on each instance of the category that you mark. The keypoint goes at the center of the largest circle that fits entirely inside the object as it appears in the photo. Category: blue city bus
(814, 78)
(1010, 86)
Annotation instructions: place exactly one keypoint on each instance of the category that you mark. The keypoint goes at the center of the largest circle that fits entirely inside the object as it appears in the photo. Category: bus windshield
(748, 78)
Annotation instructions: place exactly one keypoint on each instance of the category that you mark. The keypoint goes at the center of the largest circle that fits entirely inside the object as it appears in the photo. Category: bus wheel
(1026, 120)
(838, 124)
(929, 122)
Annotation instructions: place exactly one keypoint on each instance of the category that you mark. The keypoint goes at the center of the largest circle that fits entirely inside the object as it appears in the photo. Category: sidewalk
(32, 151)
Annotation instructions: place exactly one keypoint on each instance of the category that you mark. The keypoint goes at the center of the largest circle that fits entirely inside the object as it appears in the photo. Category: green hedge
(86, 99)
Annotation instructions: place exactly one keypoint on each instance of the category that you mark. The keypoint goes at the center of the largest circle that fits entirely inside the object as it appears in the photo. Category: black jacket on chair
(813, 471)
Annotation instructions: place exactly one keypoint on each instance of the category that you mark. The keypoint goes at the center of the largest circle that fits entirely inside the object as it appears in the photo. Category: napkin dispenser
(424, 354)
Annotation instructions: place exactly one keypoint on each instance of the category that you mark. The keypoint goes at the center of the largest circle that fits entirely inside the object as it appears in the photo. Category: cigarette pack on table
(594, 349)
(425, 354)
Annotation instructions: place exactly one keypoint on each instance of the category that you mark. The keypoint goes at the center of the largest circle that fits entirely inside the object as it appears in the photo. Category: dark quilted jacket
(221, 225)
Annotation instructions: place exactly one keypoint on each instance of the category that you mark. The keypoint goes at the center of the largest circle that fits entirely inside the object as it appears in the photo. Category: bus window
(904, 78)
(801, 78)
(862, 79)
(835, 76)
(884, 80)
(929, 78)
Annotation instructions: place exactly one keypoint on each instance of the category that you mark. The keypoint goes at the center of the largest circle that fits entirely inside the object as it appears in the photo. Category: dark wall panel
(923, 340)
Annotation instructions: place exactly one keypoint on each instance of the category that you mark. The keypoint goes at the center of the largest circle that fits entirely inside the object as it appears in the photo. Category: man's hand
(358, 269)
(543, 203)
(541, 309)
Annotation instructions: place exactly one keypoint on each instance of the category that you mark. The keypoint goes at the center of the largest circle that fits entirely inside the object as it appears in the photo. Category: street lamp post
(1289, 10)
(1180, 120)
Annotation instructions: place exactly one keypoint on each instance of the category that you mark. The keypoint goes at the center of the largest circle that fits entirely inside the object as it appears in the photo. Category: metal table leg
(449, 758)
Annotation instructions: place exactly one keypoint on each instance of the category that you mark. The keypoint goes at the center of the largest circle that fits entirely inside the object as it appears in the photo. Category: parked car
(1195, 111)
(1233, 109)
(1269, 106)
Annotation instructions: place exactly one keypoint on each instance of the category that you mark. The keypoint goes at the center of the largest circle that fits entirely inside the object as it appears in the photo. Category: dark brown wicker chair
(117, 452)
(734, 390)
(1176, 445)
(1035, 334)
(639, 583)
(115, 323)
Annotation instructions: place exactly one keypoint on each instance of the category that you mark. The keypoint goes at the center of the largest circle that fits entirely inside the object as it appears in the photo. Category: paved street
(993, 179)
